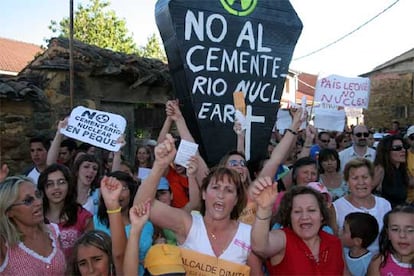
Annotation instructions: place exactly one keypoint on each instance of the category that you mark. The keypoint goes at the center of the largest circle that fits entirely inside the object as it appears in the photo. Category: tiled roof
(307, 83)
(15, 55)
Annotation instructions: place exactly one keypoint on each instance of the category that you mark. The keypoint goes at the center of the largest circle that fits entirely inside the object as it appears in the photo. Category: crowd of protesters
(321, 203)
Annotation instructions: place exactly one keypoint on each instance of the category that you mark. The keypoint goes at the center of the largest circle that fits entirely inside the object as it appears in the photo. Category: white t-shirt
(34, 175)
(343, 207)
(237, 251)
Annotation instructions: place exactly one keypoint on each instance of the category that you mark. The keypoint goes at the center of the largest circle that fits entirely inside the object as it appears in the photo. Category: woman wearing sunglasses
(27, 245)
(391, 176)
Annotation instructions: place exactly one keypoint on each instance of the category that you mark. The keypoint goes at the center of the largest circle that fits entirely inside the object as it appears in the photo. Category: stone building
(392, 92)
(32, 102)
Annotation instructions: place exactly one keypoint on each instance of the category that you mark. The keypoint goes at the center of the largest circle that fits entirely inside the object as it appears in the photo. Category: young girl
(112, 205)
(396, 255)
(87, 172)
(60, 206)
(92, 254)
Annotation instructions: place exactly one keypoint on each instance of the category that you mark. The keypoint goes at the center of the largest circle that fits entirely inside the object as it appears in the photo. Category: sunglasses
(411, 137)
(324, 141)
(360, 134)
(28, 201)
(235, 163)
(398, 148)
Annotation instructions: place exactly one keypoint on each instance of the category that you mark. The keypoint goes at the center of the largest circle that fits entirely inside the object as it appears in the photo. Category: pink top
(394, 267)
(21, 260)
(69, 234)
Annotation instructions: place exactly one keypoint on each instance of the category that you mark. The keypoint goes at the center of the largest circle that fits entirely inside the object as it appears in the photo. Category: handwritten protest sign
(199, 264)
(216, 48)
(98, 128)
(336, 91)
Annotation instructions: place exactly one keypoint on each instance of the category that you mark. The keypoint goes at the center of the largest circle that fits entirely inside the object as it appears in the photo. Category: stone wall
(391, 98)
(20, 121)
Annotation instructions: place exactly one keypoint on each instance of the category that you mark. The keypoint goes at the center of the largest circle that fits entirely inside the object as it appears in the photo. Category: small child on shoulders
(360, 230)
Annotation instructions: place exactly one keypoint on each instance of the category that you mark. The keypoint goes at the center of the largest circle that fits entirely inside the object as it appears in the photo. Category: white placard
(328, 119)
(185, 151)
(283, 119)
(143, 173)
(241, 119)
(337, 91)
(98, 128)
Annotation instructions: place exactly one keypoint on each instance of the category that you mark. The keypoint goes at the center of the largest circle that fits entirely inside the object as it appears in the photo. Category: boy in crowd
(38, 152)
(360, 230)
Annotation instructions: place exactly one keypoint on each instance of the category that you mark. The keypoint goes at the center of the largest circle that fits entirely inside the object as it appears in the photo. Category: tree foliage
(153, 49)
(96, 25)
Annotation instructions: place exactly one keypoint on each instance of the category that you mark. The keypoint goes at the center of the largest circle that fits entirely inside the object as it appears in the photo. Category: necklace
(213, 236)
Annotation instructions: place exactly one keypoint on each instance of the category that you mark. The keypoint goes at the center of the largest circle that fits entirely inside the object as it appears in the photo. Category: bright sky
(324, 21)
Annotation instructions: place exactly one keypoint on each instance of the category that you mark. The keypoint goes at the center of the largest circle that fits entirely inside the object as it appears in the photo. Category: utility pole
(71, 66)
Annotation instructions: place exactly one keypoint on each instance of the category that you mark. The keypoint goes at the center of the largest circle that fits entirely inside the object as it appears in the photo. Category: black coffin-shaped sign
(217, 47)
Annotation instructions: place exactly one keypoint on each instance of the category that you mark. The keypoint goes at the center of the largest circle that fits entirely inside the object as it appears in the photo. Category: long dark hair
(132, 187)
(70, 208)
(385, 245)
(92, 159)
(383, 159)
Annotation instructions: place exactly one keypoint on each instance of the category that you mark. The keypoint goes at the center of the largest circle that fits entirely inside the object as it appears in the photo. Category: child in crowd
(92, 254)
(396, 255)
(360, 230)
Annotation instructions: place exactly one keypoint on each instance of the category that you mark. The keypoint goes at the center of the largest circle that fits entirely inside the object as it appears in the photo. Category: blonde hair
(9, 192)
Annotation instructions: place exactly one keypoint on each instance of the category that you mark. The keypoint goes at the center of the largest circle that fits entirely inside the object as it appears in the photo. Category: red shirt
(178, 187)
(298, 259)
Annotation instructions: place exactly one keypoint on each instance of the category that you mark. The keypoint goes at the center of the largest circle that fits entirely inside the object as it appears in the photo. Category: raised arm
(53, 152)
(173, 111)
(280, 152)
(310, 136)
(164, 154)
(111, 189)
(138, 215)
(265, 244)
(241, 134)
(193, 185)
(165, 127)
(162, 215)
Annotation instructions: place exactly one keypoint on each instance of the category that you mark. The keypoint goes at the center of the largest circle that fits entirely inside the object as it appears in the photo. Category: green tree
(154, 49)
(96, 25)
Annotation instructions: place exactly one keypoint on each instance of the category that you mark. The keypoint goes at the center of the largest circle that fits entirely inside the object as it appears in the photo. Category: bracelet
(308, 147)
(265, 218)
(114, 211)
(292, 131)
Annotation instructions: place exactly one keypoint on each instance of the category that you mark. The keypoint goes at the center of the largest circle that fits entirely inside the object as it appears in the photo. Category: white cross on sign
(250, 118)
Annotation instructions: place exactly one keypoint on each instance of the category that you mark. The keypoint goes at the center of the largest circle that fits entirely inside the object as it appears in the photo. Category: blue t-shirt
(358, 266)
(145, 241)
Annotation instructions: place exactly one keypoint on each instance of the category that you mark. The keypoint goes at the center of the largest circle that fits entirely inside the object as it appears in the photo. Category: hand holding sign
(186, 150)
